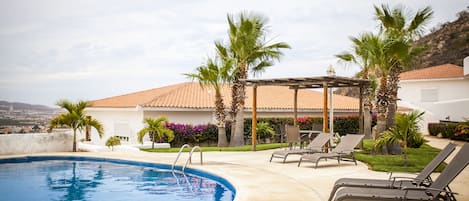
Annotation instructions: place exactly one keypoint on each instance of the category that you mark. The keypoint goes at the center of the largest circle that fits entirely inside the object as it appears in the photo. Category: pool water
(103, 180)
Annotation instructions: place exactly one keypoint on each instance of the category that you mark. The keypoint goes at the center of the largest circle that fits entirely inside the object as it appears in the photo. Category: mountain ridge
(6, 105)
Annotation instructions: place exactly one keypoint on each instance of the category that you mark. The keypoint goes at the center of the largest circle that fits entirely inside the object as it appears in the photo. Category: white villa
(441, 91)
(188, 103)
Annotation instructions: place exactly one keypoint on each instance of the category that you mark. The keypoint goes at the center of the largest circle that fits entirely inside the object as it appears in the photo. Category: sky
(89, 50)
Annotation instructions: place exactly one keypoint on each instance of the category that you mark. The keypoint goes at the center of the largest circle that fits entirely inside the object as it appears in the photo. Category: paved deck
(256, 179)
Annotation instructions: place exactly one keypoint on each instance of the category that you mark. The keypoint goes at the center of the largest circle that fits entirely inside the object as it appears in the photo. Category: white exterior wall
(110, 117)
(204, 117)
(452, 98)
(261, 114)
(184, 117)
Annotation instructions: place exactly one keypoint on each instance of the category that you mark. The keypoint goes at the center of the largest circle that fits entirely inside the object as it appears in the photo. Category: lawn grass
(259, 147)
(418, 158)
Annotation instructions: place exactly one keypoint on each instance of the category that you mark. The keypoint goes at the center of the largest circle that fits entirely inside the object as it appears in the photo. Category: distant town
(25, 118)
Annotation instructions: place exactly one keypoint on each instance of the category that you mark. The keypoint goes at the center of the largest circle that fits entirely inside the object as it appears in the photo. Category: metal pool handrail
(190, 156)
(179, 154)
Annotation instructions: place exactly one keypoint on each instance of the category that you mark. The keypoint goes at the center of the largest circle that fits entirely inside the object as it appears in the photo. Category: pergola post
(360, 117)
(325, 123)
(254, 117)
(295, 107)
(360, 111)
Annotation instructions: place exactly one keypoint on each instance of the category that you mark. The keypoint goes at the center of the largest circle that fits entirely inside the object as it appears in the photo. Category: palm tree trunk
(234, 106)
(220, 115)
(238, 138)
(367, 108)
(74, 140)
(382, 99)
(405, 153)
(153, 140)
(393, 85)
(222, 141)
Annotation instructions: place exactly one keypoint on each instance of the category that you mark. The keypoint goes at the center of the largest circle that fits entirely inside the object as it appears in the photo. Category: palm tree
(404, 133)
(156, 128)
(75, 118)
(361, 55)
(395, 25)
(372, 52)
(212, 74)
(250, 50)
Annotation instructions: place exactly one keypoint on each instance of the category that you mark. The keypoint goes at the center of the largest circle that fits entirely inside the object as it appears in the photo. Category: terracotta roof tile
(191, 95)
(435, 72)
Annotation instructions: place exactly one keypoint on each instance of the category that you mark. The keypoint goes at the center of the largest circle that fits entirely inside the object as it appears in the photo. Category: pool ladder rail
(189, 160)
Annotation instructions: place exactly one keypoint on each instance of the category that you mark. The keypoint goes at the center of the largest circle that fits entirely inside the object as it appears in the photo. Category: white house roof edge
(436, 79)
(128, 109)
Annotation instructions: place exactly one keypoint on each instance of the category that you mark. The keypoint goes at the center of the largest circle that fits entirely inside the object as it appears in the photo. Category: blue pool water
(83, 178)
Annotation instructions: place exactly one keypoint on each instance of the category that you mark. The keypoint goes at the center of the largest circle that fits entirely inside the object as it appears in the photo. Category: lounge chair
(436, 191)
(422, 179)
(317, 145)
(343, 151)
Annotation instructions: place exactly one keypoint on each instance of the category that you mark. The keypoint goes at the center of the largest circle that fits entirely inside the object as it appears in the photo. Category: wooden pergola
(295, 84)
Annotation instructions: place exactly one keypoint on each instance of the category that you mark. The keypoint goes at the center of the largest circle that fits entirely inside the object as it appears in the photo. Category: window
(429, 95)
(123, 138)
(122, 131)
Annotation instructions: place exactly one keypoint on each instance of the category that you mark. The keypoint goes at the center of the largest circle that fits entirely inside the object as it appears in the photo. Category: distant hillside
(5, 105)
(448, 43)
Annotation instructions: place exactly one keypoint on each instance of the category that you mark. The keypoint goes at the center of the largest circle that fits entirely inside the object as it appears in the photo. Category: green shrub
(449, 130)
(345, 125)
(264, 130)
(462, 131)
(113, 141)
(436, 128)
(208, 133)
(454, 131)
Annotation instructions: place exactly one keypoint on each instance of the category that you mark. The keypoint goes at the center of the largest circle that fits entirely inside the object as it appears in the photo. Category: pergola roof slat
(310, 82)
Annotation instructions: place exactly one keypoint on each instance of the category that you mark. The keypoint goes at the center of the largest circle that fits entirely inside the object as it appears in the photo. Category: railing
(179, 154)
(189, 160)
(190, 157)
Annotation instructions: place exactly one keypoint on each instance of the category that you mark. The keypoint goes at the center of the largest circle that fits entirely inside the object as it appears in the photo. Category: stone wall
(35, 143)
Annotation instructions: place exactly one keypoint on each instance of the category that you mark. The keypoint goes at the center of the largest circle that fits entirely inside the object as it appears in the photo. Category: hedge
(449, 130)
(207, 134)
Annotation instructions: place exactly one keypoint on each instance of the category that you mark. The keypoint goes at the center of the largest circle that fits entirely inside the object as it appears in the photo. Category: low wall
(35, 143)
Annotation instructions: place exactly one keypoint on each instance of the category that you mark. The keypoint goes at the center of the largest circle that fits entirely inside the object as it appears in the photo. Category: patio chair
(422, 179)
(317, 145)
(342, 152)
(436, 191)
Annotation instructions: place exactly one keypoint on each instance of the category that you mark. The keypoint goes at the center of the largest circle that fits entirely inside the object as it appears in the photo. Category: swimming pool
(86, 178)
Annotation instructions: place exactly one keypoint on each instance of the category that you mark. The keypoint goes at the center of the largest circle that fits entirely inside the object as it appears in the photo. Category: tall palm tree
(361, 55)
(373, 51)
(75, 118)
(403, 29)
(251, 51)
(155, 128)
(214, 74)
